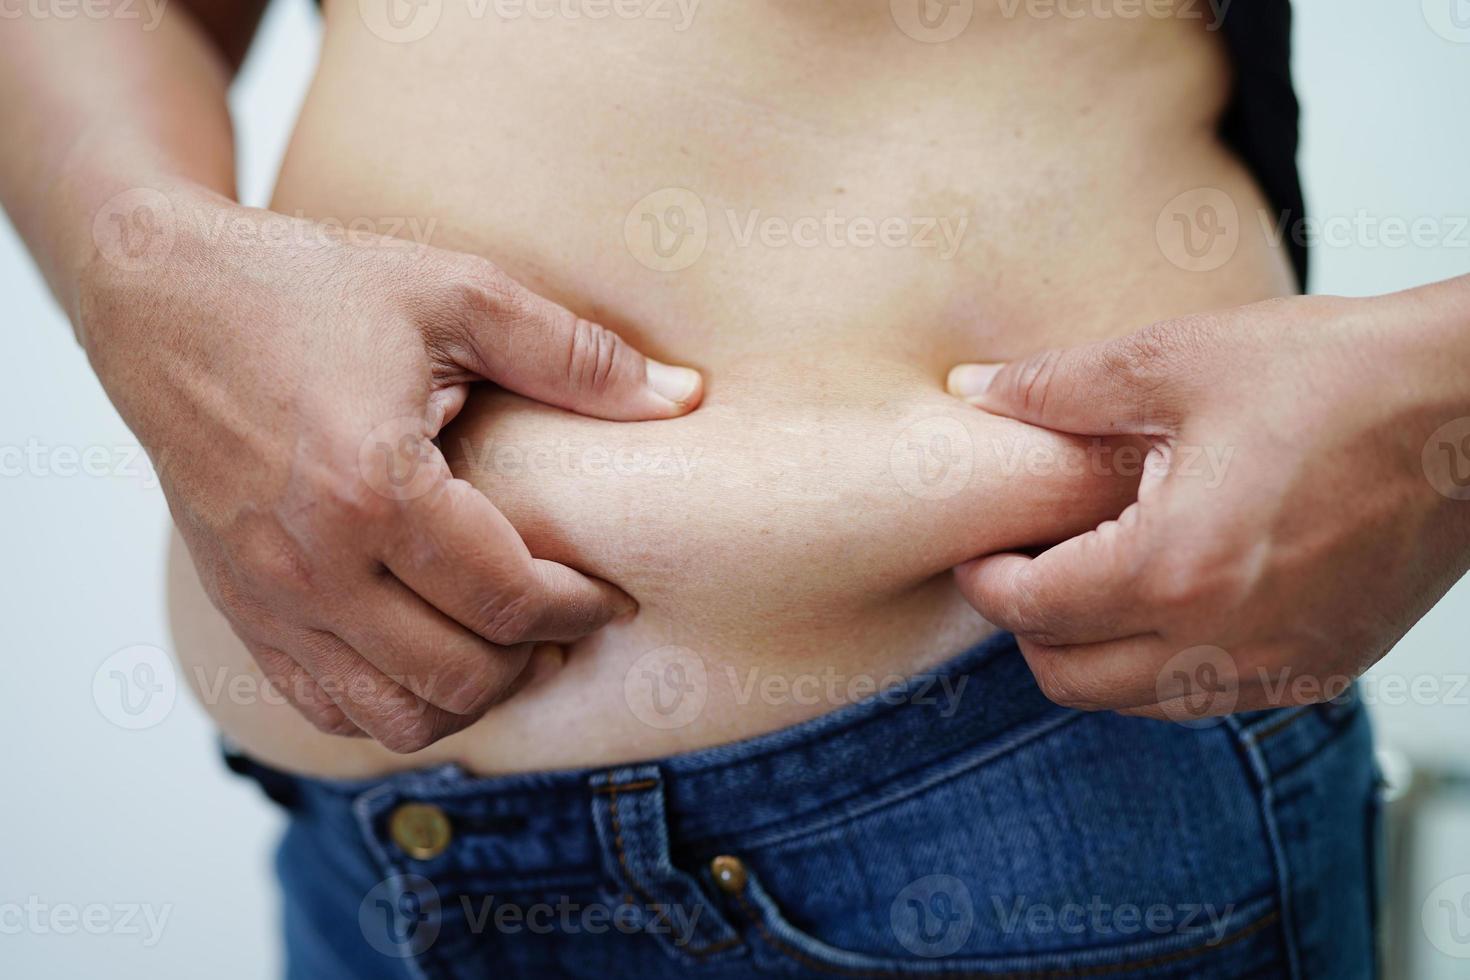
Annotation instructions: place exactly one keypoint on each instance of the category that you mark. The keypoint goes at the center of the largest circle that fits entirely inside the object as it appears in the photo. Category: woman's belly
(822, 215)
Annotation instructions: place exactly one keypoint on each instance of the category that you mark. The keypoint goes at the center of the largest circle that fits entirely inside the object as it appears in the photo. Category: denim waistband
(759, 785)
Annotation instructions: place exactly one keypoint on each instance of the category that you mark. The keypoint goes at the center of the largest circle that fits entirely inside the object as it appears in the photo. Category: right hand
(288, 388)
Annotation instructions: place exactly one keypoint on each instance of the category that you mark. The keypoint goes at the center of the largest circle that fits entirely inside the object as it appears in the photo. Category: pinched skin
(800, 524)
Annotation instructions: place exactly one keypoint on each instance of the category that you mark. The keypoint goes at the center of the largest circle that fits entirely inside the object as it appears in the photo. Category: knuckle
(393, 468)
(357, 498)
(1014, 605)
(1062, 686)
(1032, 380)
(508, 618)
(270, 563)
(1136, 363)
(593, 356)
(1197, 582)
(1176, 586)
(309, 698)
(325, 718)
(232, 598)
(409, 729)
(1020, 610)
(473, 688)
(483, 288)
(1150, 359)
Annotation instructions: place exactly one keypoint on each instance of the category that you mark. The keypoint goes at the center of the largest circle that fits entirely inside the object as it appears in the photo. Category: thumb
(507, 334)
(1115, 387)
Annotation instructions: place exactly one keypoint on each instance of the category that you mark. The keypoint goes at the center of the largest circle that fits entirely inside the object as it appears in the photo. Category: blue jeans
(958, 826)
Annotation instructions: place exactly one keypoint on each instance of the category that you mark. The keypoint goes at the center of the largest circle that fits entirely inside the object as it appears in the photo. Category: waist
(823, 258)
(983, 695)
(788, 544)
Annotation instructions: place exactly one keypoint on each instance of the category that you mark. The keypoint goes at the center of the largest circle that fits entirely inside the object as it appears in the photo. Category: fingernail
(677, 384)
(970, 381)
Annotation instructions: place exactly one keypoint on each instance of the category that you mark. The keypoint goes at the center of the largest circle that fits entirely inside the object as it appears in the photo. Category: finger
(426, 652)
(444, 407)
(1199, 705)
(547, 660)
(1084, 590)
(464, 558)
(1145, 675)
(1112, 676)
(502, 331)
(391, 714)
(291, 681)
(1131, 385)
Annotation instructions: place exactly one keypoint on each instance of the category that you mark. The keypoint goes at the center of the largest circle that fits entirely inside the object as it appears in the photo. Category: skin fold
(791, 534)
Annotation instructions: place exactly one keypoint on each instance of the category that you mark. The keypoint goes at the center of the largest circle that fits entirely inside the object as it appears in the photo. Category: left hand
(1295, 518)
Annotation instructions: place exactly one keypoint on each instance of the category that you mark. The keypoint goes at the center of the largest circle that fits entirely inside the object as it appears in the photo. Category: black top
(1261, 123)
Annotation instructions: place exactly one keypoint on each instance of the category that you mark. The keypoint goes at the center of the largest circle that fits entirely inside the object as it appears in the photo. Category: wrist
(1425, 333)
(132, 247)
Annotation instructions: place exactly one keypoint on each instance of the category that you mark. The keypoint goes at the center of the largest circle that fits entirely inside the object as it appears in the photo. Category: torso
(976, 199)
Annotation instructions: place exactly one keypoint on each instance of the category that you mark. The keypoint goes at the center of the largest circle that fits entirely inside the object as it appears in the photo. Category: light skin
(282, 380)
(328, 572)
(1327, 538)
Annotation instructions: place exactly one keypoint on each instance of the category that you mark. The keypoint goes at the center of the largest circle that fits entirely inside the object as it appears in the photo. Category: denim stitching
(1256, 759)
(617, 827)
(876, 800)
(1091, 971)
(1278, 726)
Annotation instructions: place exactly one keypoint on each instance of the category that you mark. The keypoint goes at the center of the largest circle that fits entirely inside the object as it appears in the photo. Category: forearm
(1439, 315)
(95, 107)
(1412, 395)
(1421, 347)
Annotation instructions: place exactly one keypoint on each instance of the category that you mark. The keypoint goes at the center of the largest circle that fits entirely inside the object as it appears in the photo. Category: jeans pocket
(1103, 847)
(932, 917)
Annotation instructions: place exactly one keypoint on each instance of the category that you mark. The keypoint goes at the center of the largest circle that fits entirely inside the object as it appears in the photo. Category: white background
(94, 813)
